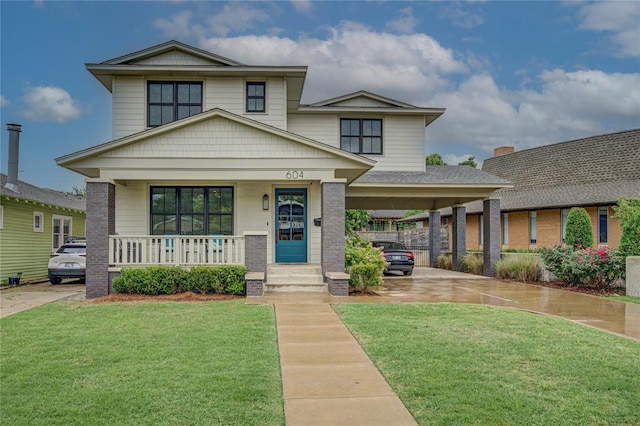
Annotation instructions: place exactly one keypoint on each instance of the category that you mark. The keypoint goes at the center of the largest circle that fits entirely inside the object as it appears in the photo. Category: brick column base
(491, 243)
(435, 241)
(101, 222)
(338, 283)
(255, 284)
(459, 237)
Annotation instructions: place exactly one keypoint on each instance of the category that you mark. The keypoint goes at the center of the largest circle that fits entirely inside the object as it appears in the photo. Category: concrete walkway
(21, 298)
(327, 378)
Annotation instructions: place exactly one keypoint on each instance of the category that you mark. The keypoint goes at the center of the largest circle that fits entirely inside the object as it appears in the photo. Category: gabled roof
(369, 103)
(30, 192)
(362, 94)
(68, 160)
(168, 46)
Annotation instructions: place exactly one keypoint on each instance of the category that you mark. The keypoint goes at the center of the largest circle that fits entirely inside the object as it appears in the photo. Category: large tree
(435, 160)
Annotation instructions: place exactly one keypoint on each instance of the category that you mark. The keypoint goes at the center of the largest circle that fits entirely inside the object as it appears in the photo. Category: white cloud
(235, 17)
(405, 22)
(4, 101)
(461, 16)
(302, 6)
(454, 159)
(50, 103)
(178, 26)
(621, 18)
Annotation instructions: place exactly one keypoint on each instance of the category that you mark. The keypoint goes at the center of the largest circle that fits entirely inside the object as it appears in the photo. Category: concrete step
(294, 279)
(283, 278)
(294, 269)
(292, 288)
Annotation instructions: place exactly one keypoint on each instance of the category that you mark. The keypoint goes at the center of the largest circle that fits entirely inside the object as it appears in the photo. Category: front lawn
(125, 364)
(629, 299)
(480, 365)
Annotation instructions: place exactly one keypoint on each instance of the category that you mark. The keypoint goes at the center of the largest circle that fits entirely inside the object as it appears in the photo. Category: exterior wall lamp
(265, 202)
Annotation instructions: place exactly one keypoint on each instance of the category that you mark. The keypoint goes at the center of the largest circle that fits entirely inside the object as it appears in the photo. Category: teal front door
(291, 225)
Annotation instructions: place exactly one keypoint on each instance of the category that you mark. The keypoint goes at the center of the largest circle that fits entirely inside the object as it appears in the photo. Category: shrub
(359, 251)
(231, 278)
(585, 267)
(150, 280)
(203, 279)
(473, 264)
(579, 232)
(521, 268)
(445, 261)
(628, 212)
(362, 276)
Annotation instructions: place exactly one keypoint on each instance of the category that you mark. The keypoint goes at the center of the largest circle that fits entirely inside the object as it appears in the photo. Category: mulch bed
(366, 292)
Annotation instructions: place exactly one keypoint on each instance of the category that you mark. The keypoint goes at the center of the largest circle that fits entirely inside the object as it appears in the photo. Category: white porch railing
(191, 250)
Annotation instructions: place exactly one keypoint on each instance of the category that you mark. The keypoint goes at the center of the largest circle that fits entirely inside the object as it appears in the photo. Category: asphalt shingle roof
(42, 195)
(434, 175)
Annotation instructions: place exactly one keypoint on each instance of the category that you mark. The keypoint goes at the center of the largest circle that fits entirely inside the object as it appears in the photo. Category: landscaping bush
(203, 279)
(445, 261)
(232, 278)
(579, 232)
(362, 276)
(151, 280)
(585, 266)
(521, 268)
(359, 252)
(473, 264)
(628, 212)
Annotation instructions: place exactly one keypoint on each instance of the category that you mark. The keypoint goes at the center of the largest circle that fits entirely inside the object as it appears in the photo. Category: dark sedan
(397, 256)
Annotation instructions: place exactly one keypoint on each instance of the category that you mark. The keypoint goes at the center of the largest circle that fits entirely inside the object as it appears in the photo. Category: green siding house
(33, 223)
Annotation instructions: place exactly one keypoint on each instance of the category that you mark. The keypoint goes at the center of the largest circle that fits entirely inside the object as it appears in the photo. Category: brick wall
(333, 230)
(101, 222)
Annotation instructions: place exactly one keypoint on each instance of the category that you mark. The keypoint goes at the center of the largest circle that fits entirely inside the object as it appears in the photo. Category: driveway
(21, 298)
(434, 285)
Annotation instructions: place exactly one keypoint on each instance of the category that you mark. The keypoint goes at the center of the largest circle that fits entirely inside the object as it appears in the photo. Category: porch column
(491, 229)
(459, 236)
(255, 260)
(333, 230)
(101, 222)
(434, 237)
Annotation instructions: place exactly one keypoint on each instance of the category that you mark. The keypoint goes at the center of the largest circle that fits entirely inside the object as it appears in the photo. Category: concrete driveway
(434, 285)
(21, 298)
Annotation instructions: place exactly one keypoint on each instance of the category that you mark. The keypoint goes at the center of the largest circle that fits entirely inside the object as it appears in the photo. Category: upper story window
(361, 136)
(170, 101)
(256, 96)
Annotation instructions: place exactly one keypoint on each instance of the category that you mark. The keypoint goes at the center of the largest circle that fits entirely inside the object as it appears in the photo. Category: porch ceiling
(437, 187)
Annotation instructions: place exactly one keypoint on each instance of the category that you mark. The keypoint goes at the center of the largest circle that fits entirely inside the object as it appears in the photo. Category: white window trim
(533, 215)
(505, 229)
(481, 230)
(62, 219)
(266, 97)
(41, 227)
(1, 216)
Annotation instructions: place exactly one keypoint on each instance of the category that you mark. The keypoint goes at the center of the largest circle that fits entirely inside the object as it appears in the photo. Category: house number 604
(295, 174)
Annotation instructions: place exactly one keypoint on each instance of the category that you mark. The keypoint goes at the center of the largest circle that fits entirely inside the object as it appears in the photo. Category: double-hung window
(603, 225)
(61, 230)
(256, 96)
(361, 136)
(505, 228)
(533, 228)
(199, 210)
(170, 101)
(564, 214)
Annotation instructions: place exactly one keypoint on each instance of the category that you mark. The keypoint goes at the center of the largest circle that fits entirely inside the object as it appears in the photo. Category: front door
(291, 229)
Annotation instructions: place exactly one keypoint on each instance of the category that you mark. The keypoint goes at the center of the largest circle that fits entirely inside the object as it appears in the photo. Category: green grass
(625, 298)
(147, 364)
(479, 365)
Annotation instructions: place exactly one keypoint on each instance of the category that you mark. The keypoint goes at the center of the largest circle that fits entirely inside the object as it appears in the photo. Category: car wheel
(55, 280)
(407, 273)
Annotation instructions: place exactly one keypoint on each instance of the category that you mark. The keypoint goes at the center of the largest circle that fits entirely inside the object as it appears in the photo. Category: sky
(508, 73)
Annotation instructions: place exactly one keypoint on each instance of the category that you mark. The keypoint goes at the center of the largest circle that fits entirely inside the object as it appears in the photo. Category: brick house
(217, 162)
(592, 172)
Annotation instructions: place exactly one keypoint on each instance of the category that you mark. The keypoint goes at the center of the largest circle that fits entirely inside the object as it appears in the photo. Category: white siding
(403, 144)
(320, 127)
(128, 106)
(175, 57)
(229, 94)
(133, 204)
(403, 138)
(132, 209)
(216, 138)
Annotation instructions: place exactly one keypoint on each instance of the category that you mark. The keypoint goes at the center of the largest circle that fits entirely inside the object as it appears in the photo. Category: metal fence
(421, 255)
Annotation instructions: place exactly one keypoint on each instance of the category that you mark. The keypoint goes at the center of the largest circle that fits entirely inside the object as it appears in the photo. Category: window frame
(505, 229)
(175, 104)
(361, 135)
(606, 224)
(564, 214)
(63, 236)
(481, 230)
(248, 97)
(533, 228)
(178, 209)
(38, 227)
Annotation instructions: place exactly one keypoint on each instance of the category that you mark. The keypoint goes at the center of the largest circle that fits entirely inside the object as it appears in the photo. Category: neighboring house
(386, 220)
(592, 172)
(217, 162)
(33, 223)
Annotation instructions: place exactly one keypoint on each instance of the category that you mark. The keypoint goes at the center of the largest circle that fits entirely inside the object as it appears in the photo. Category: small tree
(579, 231)
(356, 220)
(628, 212)
(471, 162)
(435, 160)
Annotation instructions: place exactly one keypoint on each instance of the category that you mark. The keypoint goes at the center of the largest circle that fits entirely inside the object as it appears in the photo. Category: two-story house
(217, 162)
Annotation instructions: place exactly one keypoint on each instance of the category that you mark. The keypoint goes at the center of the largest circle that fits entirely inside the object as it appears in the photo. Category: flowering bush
(584, 266)
(359, 251)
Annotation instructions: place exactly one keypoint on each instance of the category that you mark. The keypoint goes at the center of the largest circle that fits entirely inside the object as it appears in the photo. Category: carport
(436, 188)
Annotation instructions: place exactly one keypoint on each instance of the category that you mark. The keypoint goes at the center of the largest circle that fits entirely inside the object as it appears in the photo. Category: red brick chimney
(502, 150)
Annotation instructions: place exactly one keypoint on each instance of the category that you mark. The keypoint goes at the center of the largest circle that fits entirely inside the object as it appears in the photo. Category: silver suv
(69, 261)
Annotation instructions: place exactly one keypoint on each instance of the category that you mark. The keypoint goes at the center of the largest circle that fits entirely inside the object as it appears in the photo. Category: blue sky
(509, 73)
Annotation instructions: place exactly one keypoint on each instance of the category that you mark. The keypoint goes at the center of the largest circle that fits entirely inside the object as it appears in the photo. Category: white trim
(61, 235)
(38, 221)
